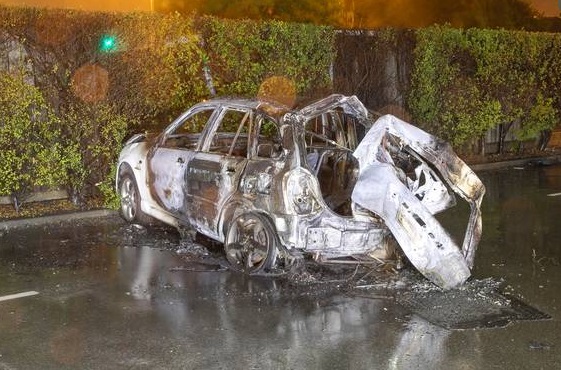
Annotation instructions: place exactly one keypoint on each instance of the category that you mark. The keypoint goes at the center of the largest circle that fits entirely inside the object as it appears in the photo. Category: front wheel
(251, 244)
(130, 200)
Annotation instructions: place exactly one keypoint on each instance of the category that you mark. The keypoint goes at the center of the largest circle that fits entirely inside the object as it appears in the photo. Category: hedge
(97, 77)
(100, 77)
(31, 152)
(465, 82)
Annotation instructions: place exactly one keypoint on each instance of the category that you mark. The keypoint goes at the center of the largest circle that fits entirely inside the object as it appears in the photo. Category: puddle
(159, 308)
(154, 264)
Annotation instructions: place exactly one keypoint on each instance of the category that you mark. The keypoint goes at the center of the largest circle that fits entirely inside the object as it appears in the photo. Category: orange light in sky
(549, 8)
(89, 5)
(546, 7)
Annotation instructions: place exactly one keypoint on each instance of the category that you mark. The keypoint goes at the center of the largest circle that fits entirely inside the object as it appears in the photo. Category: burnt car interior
(419, 177)
(231, 138)
(330, 141)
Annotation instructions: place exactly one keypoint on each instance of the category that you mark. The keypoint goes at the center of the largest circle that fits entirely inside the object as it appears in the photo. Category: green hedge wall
(98, 77)
(244, 55)
(103, 76)
(465, 82)
(29, 139)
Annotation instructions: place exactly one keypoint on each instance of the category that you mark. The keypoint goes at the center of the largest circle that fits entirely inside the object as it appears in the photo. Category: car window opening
(330, 140)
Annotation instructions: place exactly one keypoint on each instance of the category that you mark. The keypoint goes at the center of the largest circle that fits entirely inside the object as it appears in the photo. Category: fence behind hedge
(467, 86)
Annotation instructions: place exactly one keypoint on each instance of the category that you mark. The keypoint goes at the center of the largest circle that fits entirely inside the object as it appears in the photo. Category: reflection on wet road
(131, 307)
(113, 296)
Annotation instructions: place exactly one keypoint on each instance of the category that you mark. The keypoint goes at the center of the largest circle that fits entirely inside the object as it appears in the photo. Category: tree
(328, 12)
(508, 14)
(238, 8)
(180, 6)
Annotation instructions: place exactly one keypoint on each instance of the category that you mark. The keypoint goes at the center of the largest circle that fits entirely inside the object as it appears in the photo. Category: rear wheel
(251, 243)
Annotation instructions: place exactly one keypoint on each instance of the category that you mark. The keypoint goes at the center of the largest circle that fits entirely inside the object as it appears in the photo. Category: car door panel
(167, 175)
(169, 158)
(211, 180)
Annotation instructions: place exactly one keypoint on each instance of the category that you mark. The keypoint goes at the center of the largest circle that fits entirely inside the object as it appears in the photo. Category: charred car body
(326, 180)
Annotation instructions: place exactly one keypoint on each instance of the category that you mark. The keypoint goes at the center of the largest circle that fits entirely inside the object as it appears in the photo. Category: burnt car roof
(349, 104)
(270, 108)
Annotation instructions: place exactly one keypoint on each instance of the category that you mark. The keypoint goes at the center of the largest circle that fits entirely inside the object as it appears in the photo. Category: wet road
(111, 296)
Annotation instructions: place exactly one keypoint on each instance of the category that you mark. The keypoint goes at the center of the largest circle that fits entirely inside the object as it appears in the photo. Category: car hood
(406, 176)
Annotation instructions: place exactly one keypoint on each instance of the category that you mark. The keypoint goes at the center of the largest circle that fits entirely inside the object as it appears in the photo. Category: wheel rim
(249, 244)
(128, 199)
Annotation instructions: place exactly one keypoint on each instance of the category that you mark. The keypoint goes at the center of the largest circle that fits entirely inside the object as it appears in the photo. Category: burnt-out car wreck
(327, 181)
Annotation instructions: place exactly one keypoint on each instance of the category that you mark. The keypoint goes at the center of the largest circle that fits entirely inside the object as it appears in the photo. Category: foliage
(369, 14)
(507, 14)
(325, 12)
(466, 82)
(86, 99)
(158, 71)
(28, 138)
(244, 54)
(374, 65)
(542, 117)
(97, 133)
(155, 67)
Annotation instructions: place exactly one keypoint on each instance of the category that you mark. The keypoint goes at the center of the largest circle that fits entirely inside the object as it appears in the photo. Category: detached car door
(169, 158)
(213, 174)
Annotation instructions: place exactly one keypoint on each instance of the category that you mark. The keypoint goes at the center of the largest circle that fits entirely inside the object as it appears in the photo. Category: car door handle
(180, 160)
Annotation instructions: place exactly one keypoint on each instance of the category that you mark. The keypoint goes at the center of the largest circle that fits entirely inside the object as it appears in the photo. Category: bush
(29, 140)
(68, 129)
(243, 55)
(152, 68)
(95, 133)
(465, 82)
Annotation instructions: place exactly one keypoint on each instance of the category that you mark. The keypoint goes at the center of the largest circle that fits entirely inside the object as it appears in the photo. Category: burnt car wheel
(251, 243)
(130, 199)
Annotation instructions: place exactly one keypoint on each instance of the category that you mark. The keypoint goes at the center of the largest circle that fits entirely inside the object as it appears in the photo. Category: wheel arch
(124, 167)
(240, 206)
(139, 175)
(230, 211)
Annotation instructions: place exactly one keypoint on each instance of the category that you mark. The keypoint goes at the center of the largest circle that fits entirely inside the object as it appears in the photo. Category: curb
(39, 196)
(44, 220)
(538, 161)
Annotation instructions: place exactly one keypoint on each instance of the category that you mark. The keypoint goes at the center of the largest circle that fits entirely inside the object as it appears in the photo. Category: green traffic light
(108, 43)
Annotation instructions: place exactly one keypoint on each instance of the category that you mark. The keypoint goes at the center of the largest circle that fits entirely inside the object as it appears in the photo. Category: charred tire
(130, 200)
(251, 243)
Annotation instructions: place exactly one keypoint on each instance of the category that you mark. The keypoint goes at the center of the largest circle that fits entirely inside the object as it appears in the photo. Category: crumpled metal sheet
(383, 189)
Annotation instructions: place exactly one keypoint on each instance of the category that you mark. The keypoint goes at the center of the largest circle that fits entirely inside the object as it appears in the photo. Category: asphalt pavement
(85, 290)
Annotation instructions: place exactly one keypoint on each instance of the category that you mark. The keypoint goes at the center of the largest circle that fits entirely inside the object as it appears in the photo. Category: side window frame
(184, 119)
(246, 121)
(256, 150)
